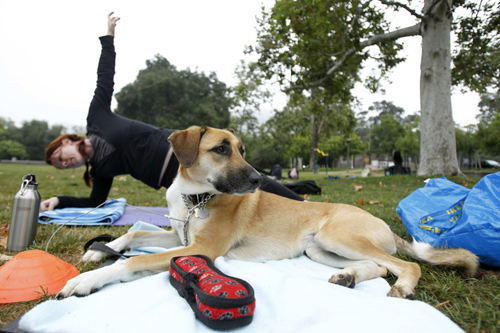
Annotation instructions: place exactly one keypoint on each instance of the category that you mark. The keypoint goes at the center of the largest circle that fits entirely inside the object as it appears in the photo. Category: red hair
(56, 143)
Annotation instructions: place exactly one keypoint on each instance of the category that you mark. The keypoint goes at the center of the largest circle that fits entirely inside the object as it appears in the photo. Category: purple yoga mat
(131, 215)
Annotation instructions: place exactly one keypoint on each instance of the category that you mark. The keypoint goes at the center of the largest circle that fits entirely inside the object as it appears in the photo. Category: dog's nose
(255, 179)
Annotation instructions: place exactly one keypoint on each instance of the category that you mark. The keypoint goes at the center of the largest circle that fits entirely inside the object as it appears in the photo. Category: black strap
(94, 244)
(103, 248)
(100, 238)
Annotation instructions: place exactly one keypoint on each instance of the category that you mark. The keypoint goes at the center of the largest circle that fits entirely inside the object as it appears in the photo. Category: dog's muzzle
(239, 182)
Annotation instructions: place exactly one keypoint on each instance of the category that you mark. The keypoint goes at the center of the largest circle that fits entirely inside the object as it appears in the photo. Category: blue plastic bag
(446, 214)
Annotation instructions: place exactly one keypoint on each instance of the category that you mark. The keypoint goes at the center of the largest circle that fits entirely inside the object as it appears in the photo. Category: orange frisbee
(33, 274)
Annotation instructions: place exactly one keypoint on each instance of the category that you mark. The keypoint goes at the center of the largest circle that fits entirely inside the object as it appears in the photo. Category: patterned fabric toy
(219, 301)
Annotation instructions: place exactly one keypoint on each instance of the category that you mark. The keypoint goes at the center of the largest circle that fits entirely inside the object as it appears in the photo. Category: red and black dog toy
(219, 301)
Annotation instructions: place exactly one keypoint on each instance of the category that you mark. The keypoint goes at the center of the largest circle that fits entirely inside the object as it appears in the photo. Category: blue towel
(105, 215)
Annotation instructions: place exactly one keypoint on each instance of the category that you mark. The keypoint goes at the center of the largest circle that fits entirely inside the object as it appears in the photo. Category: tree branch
(402, 5)
(414, 30)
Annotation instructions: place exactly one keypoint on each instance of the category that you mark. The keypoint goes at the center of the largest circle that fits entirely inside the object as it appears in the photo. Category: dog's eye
(220, 150)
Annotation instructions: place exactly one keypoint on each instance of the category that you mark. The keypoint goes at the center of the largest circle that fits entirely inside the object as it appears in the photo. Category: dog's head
(212, 160)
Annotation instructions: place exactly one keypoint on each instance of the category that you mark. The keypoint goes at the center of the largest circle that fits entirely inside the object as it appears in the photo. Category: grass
(473, 303)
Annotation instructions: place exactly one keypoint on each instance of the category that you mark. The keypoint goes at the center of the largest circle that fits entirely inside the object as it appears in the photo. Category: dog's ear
(185, 144)
(230, 130)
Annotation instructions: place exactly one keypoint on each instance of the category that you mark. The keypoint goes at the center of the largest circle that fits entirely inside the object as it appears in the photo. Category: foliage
(489, 106)
(386, 134)
(281, 137)
(384, 107)
(385, 137)
(298, 41)
(27, 142)
(467, 140)
(10, 148)
(33, 136)
(485, 137)
(248, 95)
(488, 135)
(336, 146)
(410, 141)
(477, 61)
(305, 121)
(166, 97)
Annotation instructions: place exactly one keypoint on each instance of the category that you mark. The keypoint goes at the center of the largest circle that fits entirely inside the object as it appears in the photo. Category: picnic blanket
(292, 295)
(115, 212)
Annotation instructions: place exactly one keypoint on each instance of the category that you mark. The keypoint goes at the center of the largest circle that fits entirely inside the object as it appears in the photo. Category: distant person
(398, 168)
(398, 160)
(116, 145)
(294, 174)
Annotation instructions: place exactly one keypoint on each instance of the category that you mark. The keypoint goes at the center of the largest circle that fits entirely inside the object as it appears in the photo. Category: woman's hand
(49, 204)
(112, 24)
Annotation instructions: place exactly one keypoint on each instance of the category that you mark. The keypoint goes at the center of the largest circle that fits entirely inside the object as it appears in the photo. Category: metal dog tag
(201, 213)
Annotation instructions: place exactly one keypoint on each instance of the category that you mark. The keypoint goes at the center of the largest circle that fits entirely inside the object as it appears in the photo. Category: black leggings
(274, 187)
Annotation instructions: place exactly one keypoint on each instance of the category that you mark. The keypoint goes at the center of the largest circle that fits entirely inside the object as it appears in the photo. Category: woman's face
(67, 156)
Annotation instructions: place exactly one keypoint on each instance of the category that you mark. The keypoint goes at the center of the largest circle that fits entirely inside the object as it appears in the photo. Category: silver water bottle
(24, 218)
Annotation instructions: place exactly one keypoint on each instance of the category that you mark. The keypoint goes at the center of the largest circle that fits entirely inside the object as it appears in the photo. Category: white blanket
(291, 296)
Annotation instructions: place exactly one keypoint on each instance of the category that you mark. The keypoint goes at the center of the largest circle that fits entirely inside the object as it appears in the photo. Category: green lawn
(473, 303)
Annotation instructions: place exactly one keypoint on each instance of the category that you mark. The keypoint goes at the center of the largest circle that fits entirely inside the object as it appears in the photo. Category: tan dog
(246, 224)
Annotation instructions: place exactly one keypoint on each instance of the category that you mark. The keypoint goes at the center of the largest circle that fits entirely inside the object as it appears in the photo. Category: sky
(49, 52)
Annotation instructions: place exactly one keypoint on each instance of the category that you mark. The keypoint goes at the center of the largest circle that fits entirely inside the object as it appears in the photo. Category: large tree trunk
(438, 154)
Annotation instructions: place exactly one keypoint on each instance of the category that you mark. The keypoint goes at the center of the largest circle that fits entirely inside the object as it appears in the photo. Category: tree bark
(438, 154)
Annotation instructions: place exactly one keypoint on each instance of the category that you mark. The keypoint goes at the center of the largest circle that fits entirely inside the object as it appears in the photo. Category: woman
(116, 145)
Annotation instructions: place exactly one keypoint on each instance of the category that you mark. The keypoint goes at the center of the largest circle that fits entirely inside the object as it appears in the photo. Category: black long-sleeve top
(138, 149)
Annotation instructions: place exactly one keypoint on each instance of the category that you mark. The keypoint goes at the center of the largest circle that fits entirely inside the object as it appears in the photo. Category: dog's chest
(192, 226)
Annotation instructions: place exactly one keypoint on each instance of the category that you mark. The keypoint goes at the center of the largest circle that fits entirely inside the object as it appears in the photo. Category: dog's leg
(128, 270)
(166, 239)
(354, 271)
(351, 243)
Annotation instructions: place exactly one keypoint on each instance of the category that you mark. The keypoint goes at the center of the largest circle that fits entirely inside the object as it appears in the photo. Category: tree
(382, 108)
(488, 135)
(281, 137)
(386, 134)
(163, 96)
(336, 146)
(324, 117)
(467, 143)
(308, 43)
(489, 106)
(409, 143)
(33, 134)
(8, 130)
(248, 95)
(477, 61)
(324, 113)
(10, 148)
(489, 123)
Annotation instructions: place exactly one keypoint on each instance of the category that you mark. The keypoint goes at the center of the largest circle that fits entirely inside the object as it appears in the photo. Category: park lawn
(473, 303)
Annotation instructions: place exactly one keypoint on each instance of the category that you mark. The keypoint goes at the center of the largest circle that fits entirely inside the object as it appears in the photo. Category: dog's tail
(458, 258)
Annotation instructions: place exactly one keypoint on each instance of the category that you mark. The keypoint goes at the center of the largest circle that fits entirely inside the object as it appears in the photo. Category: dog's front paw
(93, 256)
(81, 285)
(90, 282)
